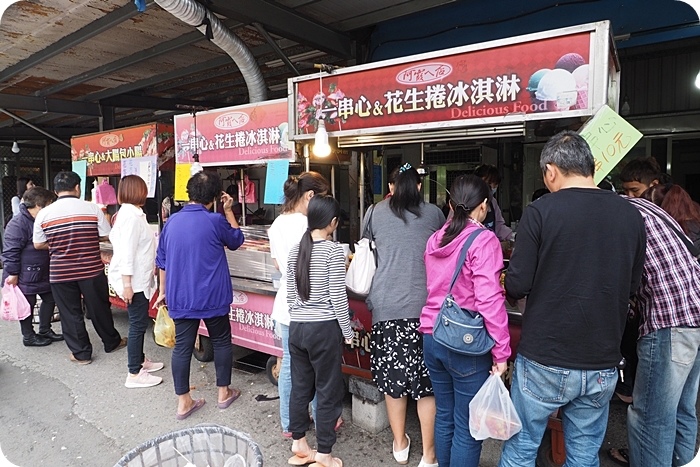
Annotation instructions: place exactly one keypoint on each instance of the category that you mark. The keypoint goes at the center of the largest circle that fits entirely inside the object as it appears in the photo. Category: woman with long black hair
(456, 378)
(400, 227)
(319, 322)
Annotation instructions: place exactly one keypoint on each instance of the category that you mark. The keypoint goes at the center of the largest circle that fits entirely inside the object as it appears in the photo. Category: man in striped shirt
(71, 229)
(662, 422)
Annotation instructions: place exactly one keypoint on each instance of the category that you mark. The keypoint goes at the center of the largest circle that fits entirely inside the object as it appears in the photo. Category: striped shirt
(72, 228)
(328, 299)
(669, 295)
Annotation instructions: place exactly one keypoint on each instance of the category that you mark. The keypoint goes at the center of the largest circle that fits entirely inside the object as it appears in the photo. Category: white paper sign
(144, 167)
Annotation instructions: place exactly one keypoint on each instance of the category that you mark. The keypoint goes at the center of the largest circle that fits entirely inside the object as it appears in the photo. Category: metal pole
(239, 194)
(335, 232)
(362, 186)
(34, 127)
(47, 164)
(306, 157)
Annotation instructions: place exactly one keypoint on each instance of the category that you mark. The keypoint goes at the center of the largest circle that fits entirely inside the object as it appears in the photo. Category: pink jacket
(478, 286)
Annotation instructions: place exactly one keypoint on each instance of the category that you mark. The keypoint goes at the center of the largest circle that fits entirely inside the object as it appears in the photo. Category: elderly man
(71, 229)
(579, 258)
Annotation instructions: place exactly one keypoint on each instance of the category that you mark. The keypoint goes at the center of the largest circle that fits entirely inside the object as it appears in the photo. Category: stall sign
(610, 138)
(541, 76)
(246, 134)
(104, 151)
(252, 325)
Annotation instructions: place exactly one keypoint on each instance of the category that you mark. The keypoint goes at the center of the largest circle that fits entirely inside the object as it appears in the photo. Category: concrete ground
(56, 413)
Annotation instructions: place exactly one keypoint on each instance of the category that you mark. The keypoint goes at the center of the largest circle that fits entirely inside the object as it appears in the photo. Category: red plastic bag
(491, 412)
(15, 306)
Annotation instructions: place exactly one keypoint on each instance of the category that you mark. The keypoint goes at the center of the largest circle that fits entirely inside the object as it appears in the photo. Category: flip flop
(223, 405)
(620, 456)
(198, 404)
(298, 460)
(336, 463)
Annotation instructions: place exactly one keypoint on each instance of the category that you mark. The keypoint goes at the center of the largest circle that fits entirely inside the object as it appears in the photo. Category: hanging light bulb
(196, 167)
(697, 80)
(321, 146)
(625, 109)
(15, 147)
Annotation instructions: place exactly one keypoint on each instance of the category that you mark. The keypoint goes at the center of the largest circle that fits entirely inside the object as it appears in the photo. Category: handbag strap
(463, 257)
(369, 224)
(686, 241)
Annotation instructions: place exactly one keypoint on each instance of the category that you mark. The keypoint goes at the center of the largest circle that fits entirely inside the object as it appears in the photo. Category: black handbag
(459, 329)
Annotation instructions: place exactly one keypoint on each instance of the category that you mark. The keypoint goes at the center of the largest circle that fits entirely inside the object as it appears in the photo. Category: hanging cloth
(105, 194)
(248, 192)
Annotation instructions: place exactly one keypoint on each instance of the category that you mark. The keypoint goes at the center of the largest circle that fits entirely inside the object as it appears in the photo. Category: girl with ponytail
(319, 313)
(456, 378)
(284, 233)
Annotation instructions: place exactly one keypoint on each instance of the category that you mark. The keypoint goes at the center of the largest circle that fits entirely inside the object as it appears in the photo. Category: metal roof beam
(125, 62)
(24, 132)
(71, 40)
(286, 23)
(42, 104)
(132, 101)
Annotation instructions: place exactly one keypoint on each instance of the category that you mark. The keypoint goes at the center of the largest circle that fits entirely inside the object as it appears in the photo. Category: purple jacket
(20, 258)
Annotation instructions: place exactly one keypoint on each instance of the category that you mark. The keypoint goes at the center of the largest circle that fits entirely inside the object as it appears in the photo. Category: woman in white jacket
(131, 275)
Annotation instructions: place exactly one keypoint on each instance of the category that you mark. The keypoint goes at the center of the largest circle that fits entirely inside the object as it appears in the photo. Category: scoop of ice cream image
(570, 62)
(581, 76)
(558, 89)
(532, 84)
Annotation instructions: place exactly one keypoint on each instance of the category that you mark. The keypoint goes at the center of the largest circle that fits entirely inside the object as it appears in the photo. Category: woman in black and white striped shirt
(318, 307)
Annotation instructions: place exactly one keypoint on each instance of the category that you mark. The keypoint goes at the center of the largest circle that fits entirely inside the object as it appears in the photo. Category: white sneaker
(143, 380)
(150, 366)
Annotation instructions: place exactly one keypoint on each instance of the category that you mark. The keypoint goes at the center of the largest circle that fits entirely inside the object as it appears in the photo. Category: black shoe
(51, 335)
(36, 341)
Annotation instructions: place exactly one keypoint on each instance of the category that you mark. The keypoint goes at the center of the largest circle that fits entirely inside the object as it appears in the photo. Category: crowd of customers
(596, 298)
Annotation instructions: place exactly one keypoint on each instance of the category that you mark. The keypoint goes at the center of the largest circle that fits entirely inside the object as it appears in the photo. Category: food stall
(145, 150)
(242, 137)
(513, 92)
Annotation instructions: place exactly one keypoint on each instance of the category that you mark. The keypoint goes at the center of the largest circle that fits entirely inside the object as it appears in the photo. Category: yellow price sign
(610, 137)
(182, 176)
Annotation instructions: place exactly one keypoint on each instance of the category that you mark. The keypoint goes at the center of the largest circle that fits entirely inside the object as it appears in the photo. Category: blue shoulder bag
(459, 329)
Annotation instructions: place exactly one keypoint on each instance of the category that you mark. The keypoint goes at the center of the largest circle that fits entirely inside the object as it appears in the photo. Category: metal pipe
(47, 164)
(34, 127)
(362, 186)
(272, 43)
(335, 232)
(194, 14)
(243, 197)
(306, 158)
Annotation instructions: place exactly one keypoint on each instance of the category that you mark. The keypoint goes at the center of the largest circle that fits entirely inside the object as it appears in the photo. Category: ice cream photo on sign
(581, 77)
(557, 89)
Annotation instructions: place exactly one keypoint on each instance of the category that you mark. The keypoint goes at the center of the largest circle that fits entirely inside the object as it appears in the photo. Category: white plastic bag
(15, 306)
(492, 413)
(362, 268)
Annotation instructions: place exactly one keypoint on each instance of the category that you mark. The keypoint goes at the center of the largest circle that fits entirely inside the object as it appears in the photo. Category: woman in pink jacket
(456, 378)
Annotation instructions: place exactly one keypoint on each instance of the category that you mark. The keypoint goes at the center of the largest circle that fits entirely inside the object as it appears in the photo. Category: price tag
(610, 137)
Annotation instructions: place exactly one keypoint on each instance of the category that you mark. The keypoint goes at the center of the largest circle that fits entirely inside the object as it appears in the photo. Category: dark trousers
(219, 329)
(138, 324)
(316, 350)
(95, 294)
(45, 314)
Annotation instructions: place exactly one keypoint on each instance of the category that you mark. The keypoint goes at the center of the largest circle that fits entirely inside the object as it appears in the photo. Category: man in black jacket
(28, 268)
(579, 258)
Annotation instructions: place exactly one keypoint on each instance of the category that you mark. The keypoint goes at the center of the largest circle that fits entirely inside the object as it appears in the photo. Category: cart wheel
(544, 453)
(203, 349)
(273, 367)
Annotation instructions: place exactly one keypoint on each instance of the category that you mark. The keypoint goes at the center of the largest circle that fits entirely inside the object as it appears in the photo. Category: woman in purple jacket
(28, 268)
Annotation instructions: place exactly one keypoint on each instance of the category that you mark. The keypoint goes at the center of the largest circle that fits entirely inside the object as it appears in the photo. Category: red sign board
(498, 83)
(104, 151)
(246, 134)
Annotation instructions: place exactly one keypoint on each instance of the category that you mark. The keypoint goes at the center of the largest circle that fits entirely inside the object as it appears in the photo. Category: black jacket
(20, 258)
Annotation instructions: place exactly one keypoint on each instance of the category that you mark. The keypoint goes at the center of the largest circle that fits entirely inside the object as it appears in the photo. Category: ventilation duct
(194, 14)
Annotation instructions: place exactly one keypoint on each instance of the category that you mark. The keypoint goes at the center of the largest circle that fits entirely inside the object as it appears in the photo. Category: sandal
(620, 456)
(336, 463)
(305, 460)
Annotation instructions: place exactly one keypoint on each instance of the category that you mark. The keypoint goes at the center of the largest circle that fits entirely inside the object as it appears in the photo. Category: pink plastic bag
(492, 413)
(15, 306)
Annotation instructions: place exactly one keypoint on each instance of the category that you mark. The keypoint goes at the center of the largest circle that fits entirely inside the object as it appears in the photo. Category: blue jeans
(284, 380)
(661, 423)
(456, 379)
(584, 398)
(138, 323)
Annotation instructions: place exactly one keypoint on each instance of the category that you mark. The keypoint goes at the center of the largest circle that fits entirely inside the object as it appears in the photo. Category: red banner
(544, 76)
(246, 134)
(104, 151)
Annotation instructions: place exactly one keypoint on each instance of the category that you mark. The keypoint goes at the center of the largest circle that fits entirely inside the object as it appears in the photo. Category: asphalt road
(56, 413)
